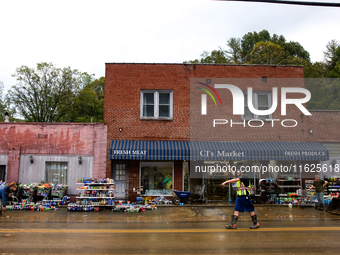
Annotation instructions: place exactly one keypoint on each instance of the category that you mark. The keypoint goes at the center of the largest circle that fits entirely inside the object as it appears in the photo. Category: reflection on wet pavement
(170, 230)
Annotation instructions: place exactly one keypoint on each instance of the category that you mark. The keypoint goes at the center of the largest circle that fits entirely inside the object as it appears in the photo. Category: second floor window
(261, 101)
(156, 104)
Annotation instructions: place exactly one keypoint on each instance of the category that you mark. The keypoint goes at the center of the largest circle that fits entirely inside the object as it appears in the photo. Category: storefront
(160, 166)
(58, 153)
(149, 168)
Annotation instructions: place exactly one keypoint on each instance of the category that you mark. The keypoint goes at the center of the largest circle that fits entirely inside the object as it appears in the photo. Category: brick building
(29, 152)
(155, 126)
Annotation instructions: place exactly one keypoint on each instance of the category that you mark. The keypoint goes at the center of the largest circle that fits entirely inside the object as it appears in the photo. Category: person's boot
(255, 223)
(321, 207)
(232, 222)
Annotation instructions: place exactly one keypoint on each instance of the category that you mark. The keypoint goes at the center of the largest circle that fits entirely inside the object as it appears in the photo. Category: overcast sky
(87, 34)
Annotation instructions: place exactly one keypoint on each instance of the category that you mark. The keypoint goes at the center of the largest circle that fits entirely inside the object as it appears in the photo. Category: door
(2, 173)
(120, 173)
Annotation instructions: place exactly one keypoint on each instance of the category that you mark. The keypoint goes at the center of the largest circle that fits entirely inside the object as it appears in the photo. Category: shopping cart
(198, 195)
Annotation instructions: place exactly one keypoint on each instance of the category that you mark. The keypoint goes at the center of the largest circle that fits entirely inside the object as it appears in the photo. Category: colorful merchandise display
(94, 193)
(44, 205)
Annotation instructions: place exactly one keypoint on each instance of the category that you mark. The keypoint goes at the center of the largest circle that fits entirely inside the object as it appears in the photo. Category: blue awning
(150, 150)
(196, 150)
(294, 151)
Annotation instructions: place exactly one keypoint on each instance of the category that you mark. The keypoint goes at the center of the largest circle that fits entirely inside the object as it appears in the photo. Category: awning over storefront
(295, 151)
(150, 150)
(195, 150)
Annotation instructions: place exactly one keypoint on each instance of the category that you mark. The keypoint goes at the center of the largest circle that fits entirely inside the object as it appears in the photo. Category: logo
(238, 99)
(204, 96)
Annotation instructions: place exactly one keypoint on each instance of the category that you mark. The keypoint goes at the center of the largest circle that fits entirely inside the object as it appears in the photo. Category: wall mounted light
(31, 159)
(120, 130)
(310, 131)
(80, 159)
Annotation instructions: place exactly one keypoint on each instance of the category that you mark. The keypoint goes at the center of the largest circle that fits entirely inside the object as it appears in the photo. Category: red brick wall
(324, 126)
(53, 139)
(123, 83)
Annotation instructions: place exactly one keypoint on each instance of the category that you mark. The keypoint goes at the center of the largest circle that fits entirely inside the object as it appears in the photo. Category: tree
(47, 93)
(89, 104)
(2, 104)
(239, 50)
(234, 52)
(329, 53)
(332, 59)
(267, 53)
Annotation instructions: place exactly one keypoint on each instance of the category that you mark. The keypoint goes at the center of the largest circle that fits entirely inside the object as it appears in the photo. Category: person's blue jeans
(319, 197)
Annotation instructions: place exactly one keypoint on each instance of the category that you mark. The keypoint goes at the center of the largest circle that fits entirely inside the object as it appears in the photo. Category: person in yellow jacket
(243, 201)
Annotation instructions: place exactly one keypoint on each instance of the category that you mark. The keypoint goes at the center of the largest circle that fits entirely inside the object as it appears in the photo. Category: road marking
(123, 231)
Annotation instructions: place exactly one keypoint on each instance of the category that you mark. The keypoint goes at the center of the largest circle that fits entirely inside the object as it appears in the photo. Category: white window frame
(156, 104)
(256, 103)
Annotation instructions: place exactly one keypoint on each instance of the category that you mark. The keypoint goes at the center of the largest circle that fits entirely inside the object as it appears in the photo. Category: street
(170, 230)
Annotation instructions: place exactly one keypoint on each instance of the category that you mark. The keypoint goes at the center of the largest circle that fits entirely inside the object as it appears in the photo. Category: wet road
(170, 230)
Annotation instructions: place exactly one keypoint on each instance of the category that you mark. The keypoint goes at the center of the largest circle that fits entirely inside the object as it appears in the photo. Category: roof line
(133, 63)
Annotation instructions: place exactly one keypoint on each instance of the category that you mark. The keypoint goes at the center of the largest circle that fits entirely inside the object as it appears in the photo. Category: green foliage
(51, 94)
(89, 105)
(325, 94)
(267, 53)
(262, 48)
(257, 48)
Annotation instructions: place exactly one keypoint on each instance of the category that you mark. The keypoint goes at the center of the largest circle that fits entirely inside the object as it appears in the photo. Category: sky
(85, 35)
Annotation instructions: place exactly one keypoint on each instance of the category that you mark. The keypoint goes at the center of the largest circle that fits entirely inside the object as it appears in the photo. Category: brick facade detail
(53, 139)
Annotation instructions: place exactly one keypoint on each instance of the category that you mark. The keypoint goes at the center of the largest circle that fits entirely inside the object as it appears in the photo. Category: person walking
(4, 192)
(319, 186)
(243, 201)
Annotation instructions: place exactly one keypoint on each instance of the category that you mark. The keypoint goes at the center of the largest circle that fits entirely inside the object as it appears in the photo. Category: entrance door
(2, 173)
(120, 173)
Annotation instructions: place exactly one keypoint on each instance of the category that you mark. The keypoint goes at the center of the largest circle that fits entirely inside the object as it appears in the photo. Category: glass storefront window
(56, 172)
(186, 176)
(157, 178)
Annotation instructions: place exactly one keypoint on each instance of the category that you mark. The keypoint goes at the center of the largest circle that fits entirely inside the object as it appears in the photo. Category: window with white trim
(56, 172)
(261, 101)
(156, 104)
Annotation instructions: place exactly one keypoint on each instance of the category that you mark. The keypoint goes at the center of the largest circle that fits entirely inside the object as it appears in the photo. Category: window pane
(156, 178)
(164, 98)
(56, 172)
(164, 111)
(263, 100)
(263, 116)
(245, 100)
(247, 114)
(263, 108)
(148, 98)
(148, 111)
(117, 174)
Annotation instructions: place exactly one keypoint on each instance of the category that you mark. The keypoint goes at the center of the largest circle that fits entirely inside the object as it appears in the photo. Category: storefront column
(13, 165)
(178, 175)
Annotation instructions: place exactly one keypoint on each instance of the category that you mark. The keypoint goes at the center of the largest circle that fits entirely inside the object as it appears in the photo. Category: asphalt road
(170, 230)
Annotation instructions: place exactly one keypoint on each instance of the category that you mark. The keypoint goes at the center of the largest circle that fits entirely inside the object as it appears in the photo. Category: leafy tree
(267, 53)
(234, 52)
(249, 41)
(47, 93)
(330, 52)
(89, 104)
(241, 51)
(2, 104)
(332, 58)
